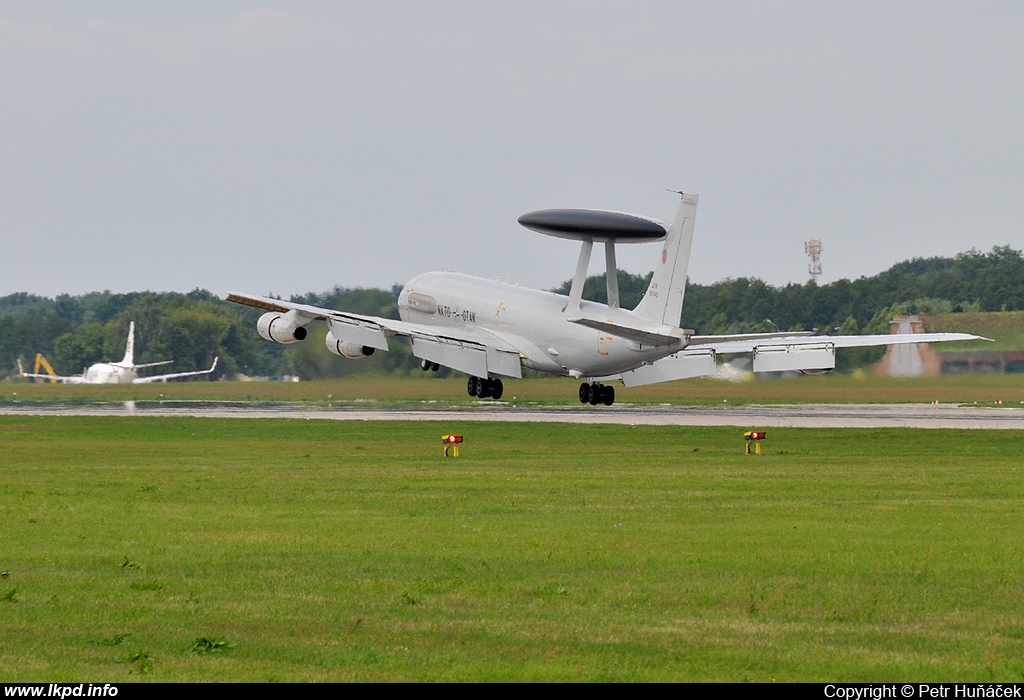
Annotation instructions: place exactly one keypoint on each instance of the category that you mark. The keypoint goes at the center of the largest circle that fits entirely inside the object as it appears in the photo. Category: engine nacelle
(281, 328)
(353, 351)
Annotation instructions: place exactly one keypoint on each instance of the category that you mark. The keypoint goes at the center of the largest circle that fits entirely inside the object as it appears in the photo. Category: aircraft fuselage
(532, 320)
(108, 373)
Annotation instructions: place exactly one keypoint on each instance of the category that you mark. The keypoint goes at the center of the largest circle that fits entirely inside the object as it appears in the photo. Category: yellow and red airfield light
(755, 437)
(451, 444)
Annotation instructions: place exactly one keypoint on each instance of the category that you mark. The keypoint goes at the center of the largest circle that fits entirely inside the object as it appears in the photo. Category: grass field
(173, 549)
(368, 390)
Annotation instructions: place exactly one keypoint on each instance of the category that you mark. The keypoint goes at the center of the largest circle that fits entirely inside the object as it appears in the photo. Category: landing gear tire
(434, 366)
(597, 393)
(609, 395)
(425, 365)
(485, 388)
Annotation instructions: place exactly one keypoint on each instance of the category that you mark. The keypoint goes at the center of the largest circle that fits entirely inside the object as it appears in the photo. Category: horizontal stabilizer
(151, 364)
(653, 335)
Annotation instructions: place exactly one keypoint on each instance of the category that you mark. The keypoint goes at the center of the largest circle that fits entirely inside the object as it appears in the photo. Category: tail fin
(129, 351)
(663, 301)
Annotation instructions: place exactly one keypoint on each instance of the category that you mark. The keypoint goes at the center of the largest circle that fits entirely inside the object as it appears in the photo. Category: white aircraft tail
(663, 301)
(129, 350)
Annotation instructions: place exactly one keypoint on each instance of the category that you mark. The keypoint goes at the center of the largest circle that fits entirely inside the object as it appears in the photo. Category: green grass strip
(177, 549)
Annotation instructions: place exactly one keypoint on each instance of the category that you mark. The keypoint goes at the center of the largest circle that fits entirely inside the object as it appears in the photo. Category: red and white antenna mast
(813, 249)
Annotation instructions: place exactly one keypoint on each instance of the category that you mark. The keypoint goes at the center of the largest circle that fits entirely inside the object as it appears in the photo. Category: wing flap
(681, 365)
(460, 356)
(359, 331)
(504, 362)
(795, 358)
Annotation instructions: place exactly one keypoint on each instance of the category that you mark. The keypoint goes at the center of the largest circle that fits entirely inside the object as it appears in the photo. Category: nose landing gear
(597, 393)
(428, 366)
(485, 388)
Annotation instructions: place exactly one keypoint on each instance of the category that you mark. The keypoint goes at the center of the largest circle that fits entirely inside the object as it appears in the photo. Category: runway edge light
(755, 437)
(451, 444)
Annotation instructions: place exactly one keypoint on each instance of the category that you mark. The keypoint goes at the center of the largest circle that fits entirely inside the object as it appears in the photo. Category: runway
(755, 416)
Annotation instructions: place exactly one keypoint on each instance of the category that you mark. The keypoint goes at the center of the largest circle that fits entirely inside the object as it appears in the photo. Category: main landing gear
(485, 388)
(597, 393)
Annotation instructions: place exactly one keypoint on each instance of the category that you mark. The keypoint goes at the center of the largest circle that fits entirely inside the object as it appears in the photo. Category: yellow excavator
(41, 363)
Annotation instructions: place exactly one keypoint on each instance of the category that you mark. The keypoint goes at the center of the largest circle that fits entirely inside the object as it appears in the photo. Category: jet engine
(353, 351)
(281, 328)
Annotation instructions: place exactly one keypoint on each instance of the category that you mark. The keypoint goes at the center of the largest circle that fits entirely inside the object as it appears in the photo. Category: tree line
(190, 329)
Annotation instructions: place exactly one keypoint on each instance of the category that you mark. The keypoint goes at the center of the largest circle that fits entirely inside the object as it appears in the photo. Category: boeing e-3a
(123, 372)
(491, 330)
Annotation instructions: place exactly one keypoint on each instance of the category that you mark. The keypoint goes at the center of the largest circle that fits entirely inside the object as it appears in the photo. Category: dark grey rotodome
(594, 224)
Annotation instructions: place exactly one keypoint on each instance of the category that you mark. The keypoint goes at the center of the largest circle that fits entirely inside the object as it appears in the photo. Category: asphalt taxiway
(765, 416)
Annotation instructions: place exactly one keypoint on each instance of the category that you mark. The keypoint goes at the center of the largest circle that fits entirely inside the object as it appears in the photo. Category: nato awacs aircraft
(491, 330)
(123, 372)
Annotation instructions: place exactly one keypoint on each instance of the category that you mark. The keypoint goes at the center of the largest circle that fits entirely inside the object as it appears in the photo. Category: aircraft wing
(749, 343)
(62, 380)
(659, 334)
(772, 352)
(743, 337)
(77, 379)
(470, 349)
(176, 375)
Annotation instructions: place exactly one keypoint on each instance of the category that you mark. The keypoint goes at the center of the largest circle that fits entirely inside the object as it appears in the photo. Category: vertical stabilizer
(129, 351)
(663, 301)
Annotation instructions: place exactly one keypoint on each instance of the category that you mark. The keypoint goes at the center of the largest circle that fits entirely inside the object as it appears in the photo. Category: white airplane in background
(123, 372)
(490, 329)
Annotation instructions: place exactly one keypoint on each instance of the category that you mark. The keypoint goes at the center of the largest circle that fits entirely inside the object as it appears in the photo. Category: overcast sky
(289, 147)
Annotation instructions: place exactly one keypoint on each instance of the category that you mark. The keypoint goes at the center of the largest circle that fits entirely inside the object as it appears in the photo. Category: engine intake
(281, 328)
(344, 348)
